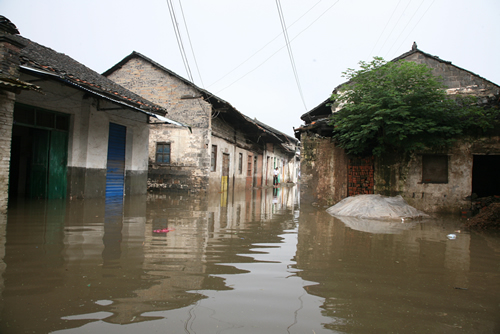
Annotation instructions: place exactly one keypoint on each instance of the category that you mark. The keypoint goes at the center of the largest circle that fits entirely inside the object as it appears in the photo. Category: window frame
(163, 153)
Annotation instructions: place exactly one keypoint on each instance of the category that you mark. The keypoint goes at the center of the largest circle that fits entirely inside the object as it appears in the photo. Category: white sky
(239, 46)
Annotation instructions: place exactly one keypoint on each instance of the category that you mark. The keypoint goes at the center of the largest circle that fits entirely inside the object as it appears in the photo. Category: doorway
(115, 169)
(485, 180)
(225, 173)
(39, 153)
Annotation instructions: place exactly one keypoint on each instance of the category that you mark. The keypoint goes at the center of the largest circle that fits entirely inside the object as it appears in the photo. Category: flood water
(254, 262)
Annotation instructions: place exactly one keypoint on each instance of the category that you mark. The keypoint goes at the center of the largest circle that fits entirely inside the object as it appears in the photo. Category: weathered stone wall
(224, 130)
(190, 152)
(456, 79)
(397, 176)
(323, 170)
(189, 159)
(6, 121)
(233, 143)
(189, 167)
(168, 91)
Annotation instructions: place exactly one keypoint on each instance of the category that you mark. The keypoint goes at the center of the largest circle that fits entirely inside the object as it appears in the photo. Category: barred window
(162, 153)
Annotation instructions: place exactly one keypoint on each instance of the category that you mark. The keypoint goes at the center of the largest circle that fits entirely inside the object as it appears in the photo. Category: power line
(290, 53)
(179, 39)
(265, 60)
(417, 23)
(383, 30)
(411, 18)
(400, 16)
(191, 45)
(262, 48)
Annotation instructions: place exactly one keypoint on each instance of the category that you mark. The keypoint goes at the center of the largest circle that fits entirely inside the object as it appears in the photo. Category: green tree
(400, 107)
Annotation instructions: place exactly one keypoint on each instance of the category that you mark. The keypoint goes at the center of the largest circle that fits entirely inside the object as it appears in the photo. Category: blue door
(115, 175)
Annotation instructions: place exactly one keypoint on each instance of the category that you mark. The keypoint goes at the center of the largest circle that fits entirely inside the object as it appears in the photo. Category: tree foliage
(400, 106)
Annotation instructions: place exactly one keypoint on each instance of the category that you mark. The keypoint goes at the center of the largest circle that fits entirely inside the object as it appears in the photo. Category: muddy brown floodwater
(251, 262)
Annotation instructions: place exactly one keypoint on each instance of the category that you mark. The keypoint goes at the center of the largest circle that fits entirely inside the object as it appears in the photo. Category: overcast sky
(240, 53)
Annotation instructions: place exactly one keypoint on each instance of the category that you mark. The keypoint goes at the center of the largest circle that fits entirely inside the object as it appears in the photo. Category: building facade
(221, 149)
(432, 181)
(67, 131)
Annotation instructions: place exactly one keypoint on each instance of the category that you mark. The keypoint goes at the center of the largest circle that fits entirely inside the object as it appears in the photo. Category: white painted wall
(89, 127)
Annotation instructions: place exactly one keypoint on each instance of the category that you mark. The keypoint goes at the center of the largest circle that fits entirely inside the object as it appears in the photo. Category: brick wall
(360, 176)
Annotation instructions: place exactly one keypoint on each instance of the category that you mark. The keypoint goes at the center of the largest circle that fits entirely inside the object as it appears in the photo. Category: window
(240, 163)
(213, 159)
(249, 168)
(434, 169)
(27, 115)
(162, 153)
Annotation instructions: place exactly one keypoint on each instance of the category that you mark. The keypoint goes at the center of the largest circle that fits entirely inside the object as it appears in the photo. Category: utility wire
(191, 45)
(179, 39)
(383, 30)
(290, 53)
(265, 60)
(417, 23)
(400, 16)
(411, 18)
(262, 48)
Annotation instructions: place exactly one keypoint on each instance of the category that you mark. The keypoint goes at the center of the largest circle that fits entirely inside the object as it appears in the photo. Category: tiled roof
(209, 97)
(136, 54)
(319, 111)
(40, 58)
(276, 133)
(12, 83)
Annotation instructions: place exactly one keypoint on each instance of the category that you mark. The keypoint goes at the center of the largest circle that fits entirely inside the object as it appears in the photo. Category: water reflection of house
(75, 134)
(222, 148)
(105, 256)
(363, 274)
(251, 205)
(432, 180)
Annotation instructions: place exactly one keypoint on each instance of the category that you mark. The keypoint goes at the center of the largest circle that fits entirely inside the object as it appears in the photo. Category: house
(222, 148)
(67, 131)
(432, 181)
